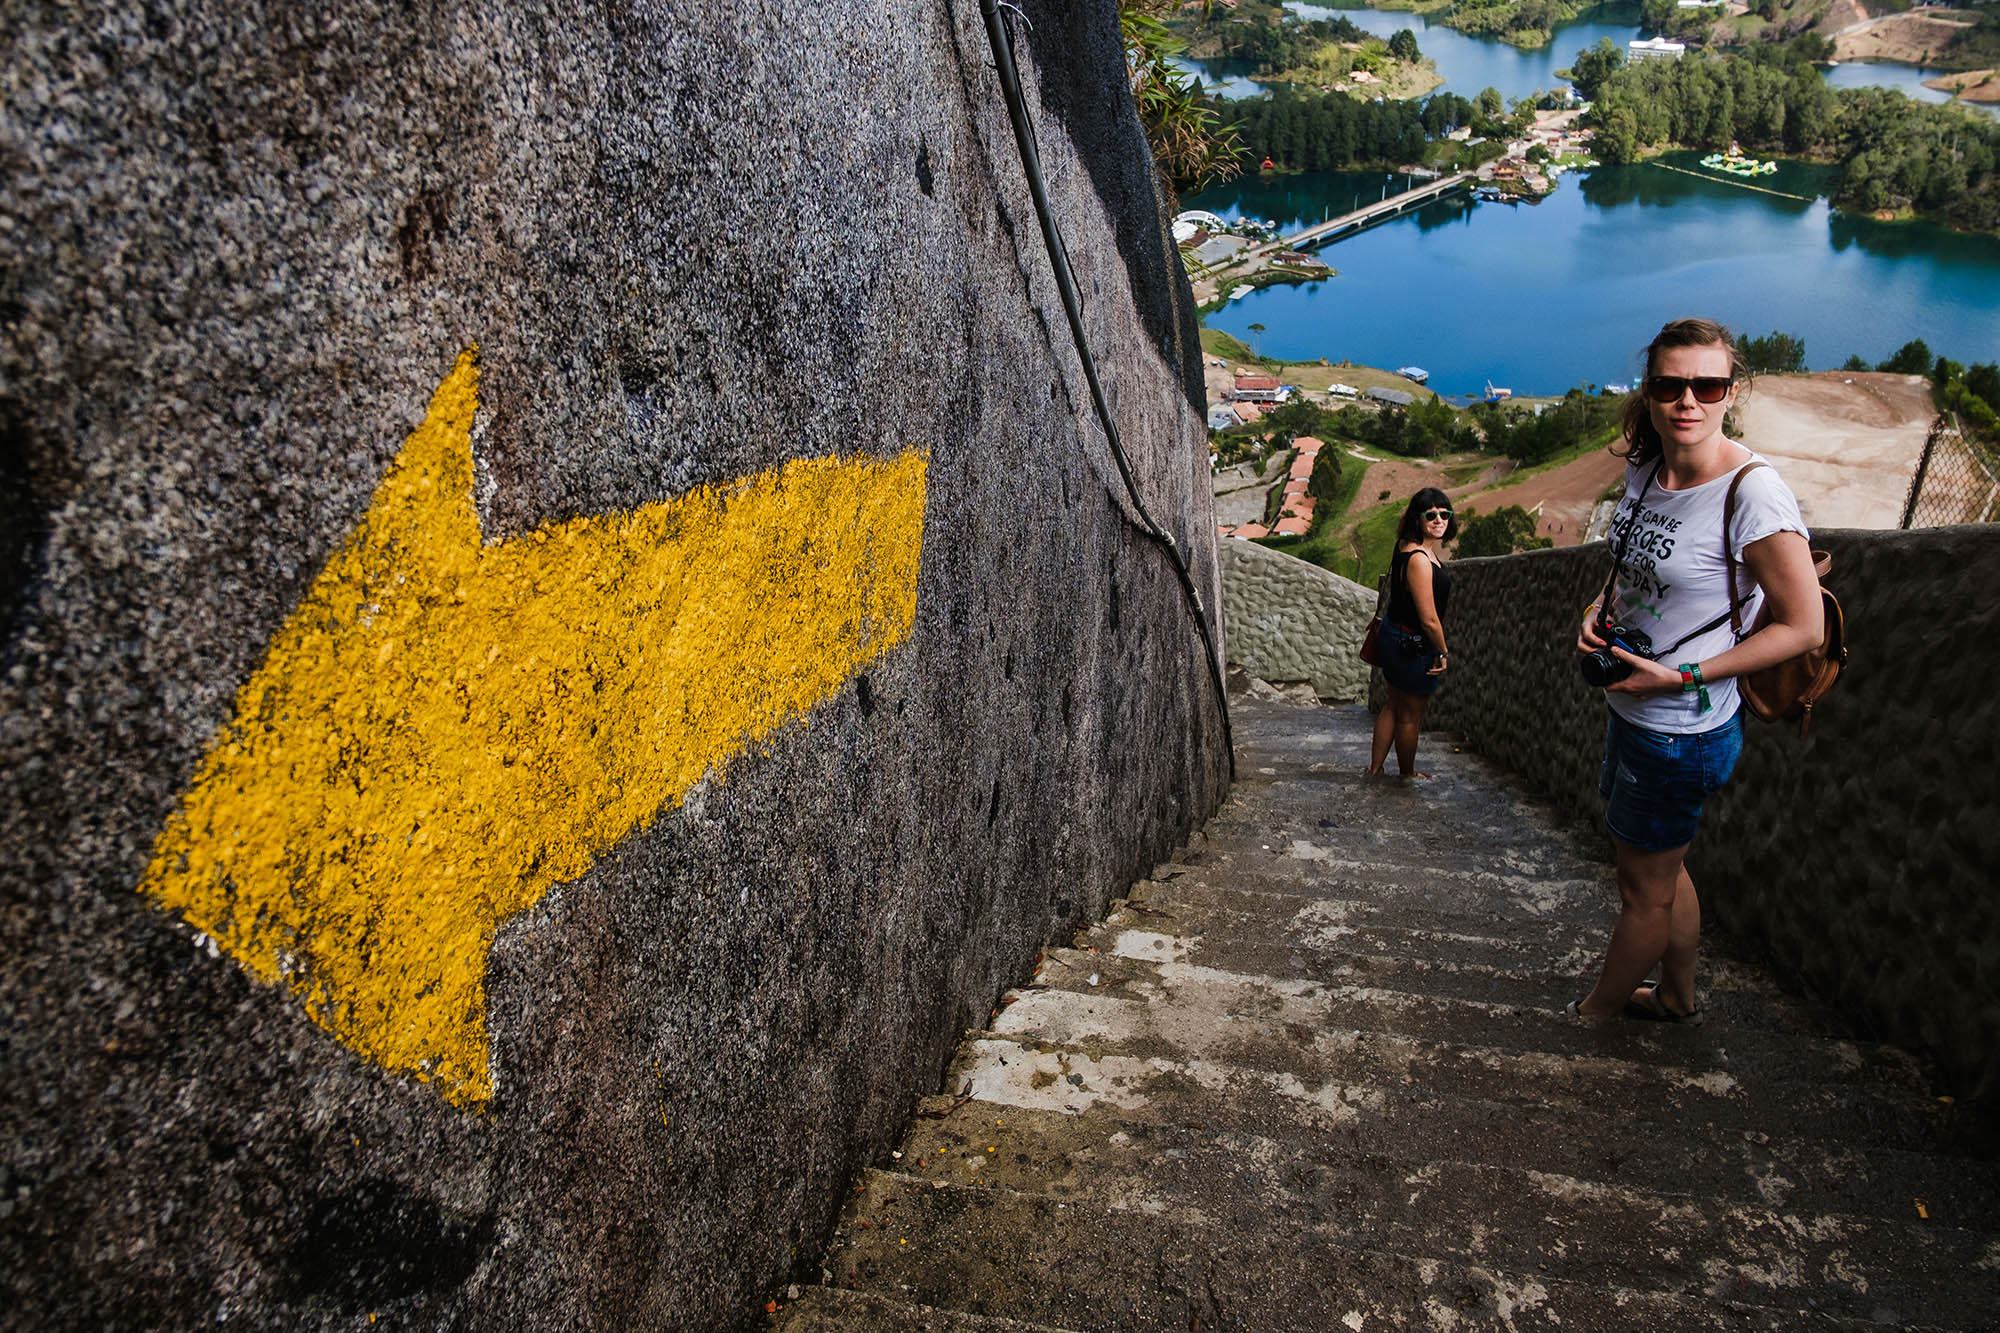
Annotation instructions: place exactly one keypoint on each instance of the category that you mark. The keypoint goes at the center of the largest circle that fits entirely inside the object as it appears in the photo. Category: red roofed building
(1259, 388)
(1249, 530)
(1292, 527)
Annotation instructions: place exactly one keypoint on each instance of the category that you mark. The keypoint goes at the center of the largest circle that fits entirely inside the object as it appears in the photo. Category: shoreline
(1981, 86)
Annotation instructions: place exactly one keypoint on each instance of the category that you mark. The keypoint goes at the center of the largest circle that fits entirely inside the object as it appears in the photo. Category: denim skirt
(1654, 782)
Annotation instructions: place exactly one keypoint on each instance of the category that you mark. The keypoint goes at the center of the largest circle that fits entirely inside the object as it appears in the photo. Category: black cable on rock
(1031, 163)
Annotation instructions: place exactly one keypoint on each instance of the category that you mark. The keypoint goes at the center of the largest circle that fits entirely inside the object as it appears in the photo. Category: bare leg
(1385, 729)
(1409, 723)
(1659, 922)
(1683, 943)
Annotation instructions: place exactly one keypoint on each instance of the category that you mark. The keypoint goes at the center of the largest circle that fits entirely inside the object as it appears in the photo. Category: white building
(1653, 48)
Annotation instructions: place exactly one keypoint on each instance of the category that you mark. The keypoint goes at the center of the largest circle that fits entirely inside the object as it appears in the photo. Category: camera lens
(1600, 668)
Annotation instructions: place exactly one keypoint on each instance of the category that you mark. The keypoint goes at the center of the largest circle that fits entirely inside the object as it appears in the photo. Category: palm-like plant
(1189, 143)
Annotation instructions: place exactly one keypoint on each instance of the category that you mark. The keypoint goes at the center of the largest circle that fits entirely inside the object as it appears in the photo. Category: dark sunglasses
(1430, 514)
(1669, 388)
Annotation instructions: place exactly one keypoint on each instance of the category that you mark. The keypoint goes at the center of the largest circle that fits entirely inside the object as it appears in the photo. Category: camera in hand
(1600, 668)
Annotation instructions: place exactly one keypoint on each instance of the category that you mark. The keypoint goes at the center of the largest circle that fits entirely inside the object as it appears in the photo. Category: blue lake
(1469, 64)
(1540, 297)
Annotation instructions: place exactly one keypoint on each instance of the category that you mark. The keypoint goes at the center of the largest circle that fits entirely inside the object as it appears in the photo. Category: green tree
(1855, 363)
(1323, 484)
(1295, 418)
(1983, 379)
(1489, 103)
(1912, 358)
(1502, 532)
(1595, 64)
(1256, 334)
(1403, 46)
(1780, 353)
(1191, 145)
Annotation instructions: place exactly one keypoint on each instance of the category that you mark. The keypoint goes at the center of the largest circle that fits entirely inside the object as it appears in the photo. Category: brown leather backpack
(1790, 688)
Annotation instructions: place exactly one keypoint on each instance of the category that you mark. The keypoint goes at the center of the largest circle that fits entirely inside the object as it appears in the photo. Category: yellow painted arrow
(443, 730)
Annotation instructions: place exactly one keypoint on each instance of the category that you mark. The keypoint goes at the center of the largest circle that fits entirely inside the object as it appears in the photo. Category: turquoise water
(1540, 297)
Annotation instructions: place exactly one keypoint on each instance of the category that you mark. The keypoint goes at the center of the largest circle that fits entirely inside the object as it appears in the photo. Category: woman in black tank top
(1412, 633)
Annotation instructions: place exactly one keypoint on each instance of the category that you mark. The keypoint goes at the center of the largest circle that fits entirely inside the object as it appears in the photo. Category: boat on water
(1738, 165)
(1494, 395)
(1416, 373)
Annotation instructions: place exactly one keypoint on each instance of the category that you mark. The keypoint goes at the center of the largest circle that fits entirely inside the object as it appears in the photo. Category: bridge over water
(1335, 228)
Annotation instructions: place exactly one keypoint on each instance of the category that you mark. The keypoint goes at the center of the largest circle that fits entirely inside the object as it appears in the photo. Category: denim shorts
(1407, 659)
(1654, 782)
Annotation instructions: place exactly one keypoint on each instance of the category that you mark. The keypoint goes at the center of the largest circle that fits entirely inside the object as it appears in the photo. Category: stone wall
(1860, 856)
(1290, 620)
(565, 627)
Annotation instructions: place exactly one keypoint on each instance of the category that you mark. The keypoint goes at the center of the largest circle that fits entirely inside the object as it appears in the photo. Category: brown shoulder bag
(1790, 688)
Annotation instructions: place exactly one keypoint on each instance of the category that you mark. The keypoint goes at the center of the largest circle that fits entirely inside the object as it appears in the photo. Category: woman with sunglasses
(1412, 633)
(1674, 733)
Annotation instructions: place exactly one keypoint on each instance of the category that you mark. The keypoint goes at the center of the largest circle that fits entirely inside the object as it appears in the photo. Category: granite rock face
(1291, 620)
(1860, 856)
(244, 247)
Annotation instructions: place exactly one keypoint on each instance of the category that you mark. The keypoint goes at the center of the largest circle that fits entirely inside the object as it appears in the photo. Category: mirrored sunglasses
(1430, 514)
(1669, 388)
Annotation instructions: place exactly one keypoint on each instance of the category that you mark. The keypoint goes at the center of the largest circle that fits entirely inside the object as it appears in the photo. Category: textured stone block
(692, 244)
(1289, 620)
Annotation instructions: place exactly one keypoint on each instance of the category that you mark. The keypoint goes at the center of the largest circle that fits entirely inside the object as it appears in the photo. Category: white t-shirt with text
(1674, 579)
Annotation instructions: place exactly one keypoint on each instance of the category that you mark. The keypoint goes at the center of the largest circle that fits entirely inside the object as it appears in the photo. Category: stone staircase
(1315, 1074)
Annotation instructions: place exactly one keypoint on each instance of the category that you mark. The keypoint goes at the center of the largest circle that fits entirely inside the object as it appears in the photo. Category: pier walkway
(1314, 1074)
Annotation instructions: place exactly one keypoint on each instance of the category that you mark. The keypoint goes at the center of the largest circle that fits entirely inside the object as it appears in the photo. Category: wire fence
(1958, 480)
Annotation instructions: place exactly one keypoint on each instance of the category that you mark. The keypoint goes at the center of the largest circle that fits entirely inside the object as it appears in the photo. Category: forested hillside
(1314, 131)
(1894, 154)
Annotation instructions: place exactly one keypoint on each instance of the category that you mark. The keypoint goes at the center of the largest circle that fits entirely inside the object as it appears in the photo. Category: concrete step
(1090, 1265)
(1345, 1003)
(1032, 1149)
(1334, 830)
(837, 1310)
(1132, 1050)
(1318, 943)
(1576, 1230)
(1204, 1012)
(1413, 896)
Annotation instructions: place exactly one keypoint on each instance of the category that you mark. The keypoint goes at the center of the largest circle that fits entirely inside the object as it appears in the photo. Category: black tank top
(1402, 607)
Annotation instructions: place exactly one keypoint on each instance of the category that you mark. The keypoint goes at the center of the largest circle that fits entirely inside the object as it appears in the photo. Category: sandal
(1653, 1009)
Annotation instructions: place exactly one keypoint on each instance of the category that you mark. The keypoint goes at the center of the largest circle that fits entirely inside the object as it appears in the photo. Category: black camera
(1600, 668)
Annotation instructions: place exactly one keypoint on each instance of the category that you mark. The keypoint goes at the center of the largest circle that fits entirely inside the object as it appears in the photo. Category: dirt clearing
(1912, 39)
(1847, 441)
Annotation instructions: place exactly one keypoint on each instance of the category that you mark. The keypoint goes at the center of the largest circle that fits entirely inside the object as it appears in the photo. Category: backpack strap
(1728, 552)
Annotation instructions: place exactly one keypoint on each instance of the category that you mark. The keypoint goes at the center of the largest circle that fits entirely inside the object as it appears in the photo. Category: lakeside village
(1248, 253)
(1227, 260)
